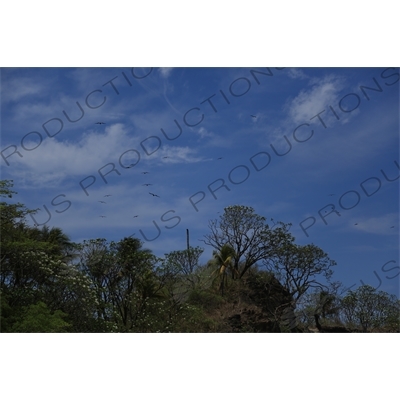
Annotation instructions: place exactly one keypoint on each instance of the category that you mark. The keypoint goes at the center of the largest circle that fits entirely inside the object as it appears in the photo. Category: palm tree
(223, 259)
(59, 241)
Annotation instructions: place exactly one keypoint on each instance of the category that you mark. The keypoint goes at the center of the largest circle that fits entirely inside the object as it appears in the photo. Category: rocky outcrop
(265, 306)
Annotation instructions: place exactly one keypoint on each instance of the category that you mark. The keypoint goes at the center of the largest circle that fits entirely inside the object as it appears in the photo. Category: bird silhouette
(147, 184)
(144, 172)
(155, 195)
(254, 116)
(135, 216)
(100, 123)
(355, 224)
(392, 227)
(219, 158)
(108, 195)
(102, 202)
(102, 216)
(166, 157)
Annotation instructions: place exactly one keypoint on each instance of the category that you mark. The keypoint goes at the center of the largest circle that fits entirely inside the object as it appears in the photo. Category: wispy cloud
(204, 133)
(296, 73)
(177, 154)
(54, 160)
(165, 72)
(211, 139)
(309, 103)
(381, 225)
(18, 89)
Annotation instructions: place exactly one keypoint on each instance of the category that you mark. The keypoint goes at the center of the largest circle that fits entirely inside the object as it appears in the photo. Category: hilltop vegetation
(258, 280)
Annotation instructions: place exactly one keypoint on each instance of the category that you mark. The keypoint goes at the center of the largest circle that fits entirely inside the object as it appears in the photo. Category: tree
(178, 273)
(248, 234)
(184, 261)
(37, 318)
(124, 278)
(60, 242)
(371, 309)
(300, 268)
(36, 269)
(223, 260)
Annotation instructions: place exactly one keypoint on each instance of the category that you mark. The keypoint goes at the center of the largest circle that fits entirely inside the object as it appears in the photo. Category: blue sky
(292, 188)
(291, 143)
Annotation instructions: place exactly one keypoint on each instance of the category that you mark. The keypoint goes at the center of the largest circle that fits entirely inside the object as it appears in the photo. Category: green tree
(300, 268)
(36, 268)
(368, 308)
(124, 279)
(184, 261)
(38, 318)
(60, 243)
(223, 259)
(248, 234)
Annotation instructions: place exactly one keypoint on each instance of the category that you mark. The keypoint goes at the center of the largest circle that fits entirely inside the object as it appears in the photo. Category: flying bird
(355, 224)
(100, 123)
(155, 195)
(102, 216)
(147, 184)
(254, 116)
(392, 227)
(144, 172)
(166, 157)
(108, 195)
(220, 158)
(135, 216)
(102, 202)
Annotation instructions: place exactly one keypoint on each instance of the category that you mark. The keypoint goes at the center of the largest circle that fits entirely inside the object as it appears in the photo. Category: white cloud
(54, 160)
(296, 73)
(210, 139)
(203, 133)
(165, 72)
(177, 154)
(378, 225)
(19, 88)
(309, 103)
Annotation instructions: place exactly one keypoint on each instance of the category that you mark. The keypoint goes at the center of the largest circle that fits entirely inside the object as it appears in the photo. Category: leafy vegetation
(258, 280)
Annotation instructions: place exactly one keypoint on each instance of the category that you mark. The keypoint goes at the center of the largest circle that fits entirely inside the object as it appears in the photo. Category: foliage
(248, 234)
(370, 309)
(184, 261)
(50, 284)
(38, 318)
(300, 268)
(223, 260)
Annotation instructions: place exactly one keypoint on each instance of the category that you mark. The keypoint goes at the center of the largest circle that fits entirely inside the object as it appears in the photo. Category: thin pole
(188, 249)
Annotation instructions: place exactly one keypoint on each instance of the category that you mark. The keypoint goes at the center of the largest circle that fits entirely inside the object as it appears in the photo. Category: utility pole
(188, 249)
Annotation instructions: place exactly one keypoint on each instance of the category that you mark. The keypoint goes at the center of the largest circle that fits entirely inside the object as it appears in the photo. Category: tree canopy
(257, 280)
(249, 235)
